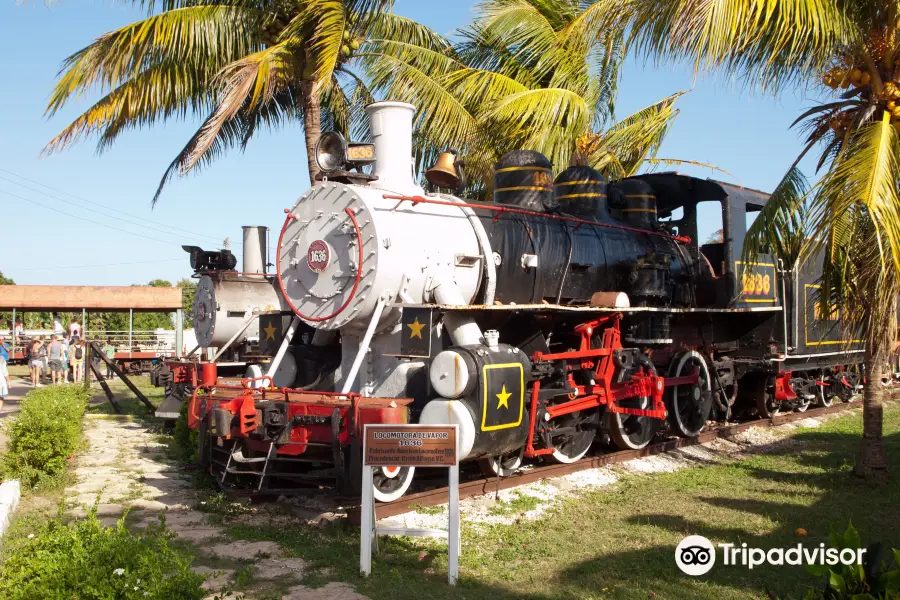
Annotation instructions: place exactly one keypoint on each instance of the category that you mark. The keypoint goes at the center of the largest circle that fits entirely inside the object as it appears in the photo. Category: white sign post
(409, 446)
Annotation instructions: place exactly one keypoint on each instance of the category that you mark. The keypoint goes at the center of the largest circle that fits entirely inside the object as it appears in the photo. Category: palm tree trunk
(312, 126)
(871, 461)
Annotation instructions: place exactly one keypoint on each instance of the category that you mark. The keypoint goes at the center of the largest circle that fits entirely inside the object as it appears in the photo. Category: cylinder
(255, 251)
(581, 191)
(524, 178)
(636, 200)
(390, 124)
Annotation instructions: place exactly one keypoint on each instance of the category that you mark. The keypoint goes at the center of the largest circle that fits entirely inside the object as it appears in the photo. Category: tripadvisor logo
(695, 555)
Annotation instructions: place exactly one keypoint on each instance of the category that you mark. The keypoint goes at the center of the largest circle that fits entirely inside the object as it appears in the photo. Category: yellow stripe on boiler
(585, 195)
(511, 169)
(524, 187)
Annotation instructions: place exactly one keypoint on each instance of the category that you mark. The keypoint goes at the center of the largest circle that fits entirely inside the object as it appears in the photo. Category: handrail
(521, 211)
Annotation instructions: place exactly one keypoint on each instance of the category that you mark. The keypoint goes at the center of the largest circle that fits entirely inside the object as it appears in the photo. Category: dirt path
(126, 467)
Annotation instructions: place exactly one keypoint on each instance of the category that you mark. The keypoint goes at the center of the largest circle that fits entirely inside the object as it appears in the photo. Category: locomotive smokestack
(391, 126)
(255, 251)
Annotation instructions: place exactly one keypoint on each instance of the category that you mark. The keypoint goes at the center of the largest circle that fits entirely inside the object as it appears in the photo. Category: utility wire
(147, 237)
(142, 225)
(143, 219)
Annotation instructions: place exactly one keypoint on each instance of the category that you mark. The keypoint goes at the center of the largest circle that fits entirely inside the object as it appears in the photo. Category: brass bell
(443, 174)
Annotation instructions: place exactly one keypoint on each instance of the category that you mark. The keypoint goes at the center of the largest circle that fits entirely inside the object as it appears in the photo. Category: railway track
(484, 485)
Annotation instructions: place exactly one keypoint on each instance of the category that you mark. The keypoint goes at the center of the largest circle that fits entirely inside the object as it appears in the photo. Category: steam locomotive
(568, 312)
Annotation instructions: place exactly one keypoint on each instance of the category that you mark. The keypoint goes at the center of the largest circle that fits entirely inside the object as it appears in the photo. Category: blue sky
(722, 123)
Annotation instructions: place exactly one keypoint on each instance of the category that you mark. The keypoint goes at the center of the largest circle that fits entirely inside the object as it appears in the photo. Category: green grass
(427, 510)
(618, 542)
(517, 504)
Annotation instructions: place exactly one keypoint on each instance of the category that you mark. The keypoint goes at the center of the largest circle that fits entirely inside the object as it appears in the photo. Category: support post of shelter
(179, 333)
(84, 323)
(88, 362)
(130, 330)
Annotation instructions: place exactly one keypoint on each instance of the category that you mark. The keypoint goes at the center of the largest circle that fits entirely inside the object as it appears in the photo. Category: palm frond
(320, 26)
(246, 84)
(164, 91)
(519, 24)
(204, 37)
(234, 132)
(389, 26)
(781, 228)
(855, 215)
(547, 120)
(772, 42)
(440, 113)
(675, 162)
(619, 151)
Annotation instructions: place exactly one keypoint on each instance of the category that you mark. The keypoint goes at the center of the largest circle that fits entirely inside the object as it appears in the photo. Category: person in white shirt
(74, 330)
(4, 381)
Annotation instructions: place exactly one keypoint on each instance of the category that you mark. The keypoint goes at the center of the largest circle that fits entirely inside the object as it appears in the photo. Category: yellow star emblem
(503, 396)
(270, 332)
(415, 329)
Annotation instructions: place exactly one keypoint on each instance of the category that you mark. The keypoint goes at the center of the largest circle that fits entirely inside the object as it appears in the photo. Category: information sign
(411, 446)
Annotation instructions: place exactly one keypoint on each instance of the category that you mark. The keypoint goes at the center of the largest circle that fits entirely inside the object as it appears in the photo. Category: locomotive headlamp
(331, 151)
(334, 153)
(196, 255)
(452, 374)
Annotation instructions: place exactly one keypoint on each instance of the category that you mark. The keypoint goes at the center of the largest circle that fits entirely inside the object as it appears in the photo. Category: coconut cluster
(349, 46)
(860, 78)
(881, 64)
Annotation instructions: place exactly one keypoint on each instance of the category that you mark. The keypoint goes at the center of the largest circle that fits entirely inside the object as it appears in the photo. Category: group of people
(58, 355)
(57, 359)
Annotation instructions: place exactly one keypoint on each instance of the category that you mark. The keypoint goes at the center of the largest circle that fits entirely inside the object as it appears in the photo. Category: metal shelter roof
(89, 297)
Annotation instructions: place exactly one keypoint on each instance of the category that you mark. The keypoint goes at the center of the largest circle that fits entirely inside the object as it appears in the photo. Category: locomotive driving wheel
(391, 482)
(766, 404)
(631, 432)
(689, 405)
(825, 394)
(502, 466)
(573, 435)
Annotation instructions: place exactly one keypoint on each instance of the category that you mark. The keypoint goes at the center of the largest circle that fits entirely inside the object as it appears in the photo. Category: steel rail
(486, 485)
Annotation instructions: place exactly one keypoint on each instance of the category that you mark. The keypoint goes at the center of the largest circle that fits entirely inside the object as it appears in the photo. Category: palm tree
(240, 64)
(852, 213)
(529, 74)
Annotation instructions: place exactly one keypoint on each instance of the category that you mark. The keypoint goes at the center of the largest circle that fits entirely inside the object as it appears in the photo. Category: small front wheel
(391, 482)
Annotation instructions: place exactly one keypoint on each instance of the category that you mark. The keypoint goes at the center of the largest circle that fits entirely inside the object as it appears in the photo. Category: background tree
(851, 215)
(6, 317)
(188, 292)
(528, 74)
(242, 66)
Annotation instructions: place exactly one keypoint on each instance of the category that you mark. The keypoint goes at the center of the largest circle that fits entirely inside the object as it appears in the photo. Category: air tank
(524, 178)
(581, 191)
